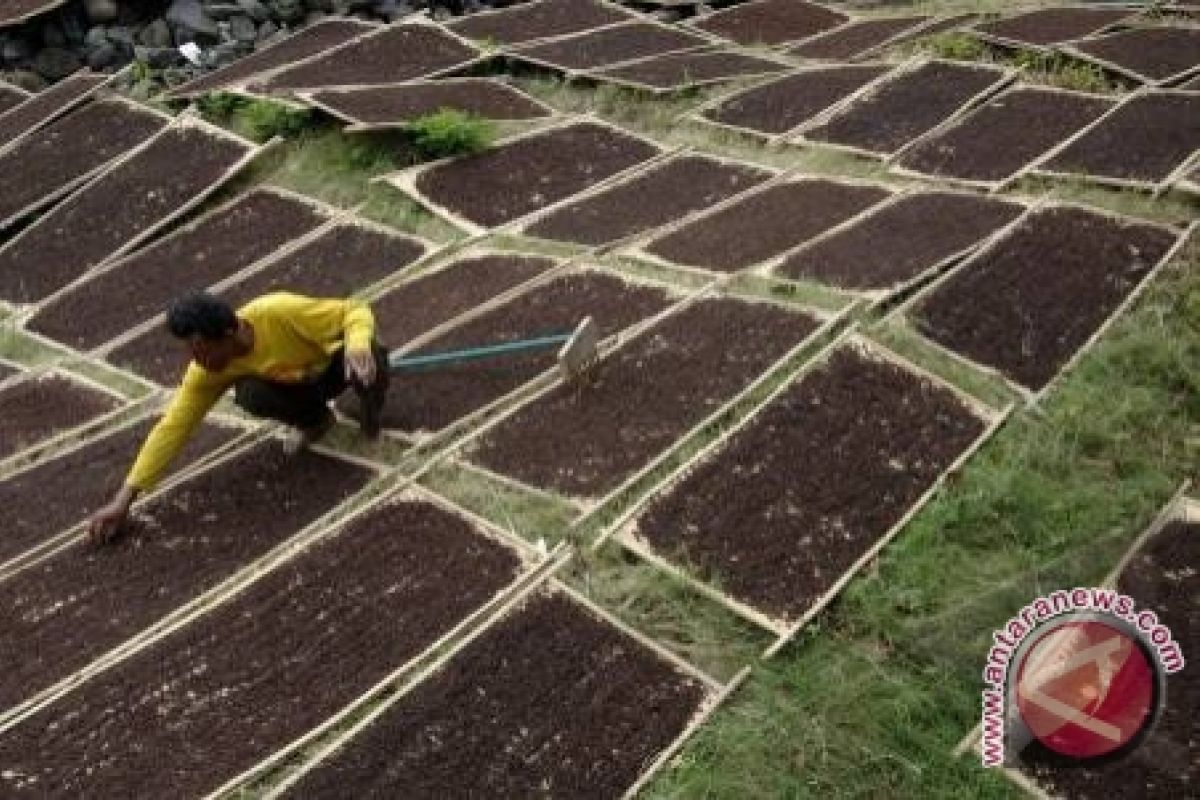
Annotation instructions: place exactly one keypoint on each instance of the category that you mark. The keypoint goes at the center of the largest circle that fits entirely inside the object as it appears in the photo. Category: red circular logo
(1086, 688)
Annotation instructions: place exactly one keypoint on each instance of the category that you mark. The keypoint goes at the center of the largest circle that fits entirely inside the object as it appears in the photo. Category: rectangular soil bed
(125, 205)
(48, 104)
(140, 286)
(1143, 141)
(551, 701)
(52, 161)
(659, 195)
(59, 614)
(341, 261)
(899, 242)
(16, 12)
(52, 496)
(1152, 55)
(908, 105)
(681, 71)
(43, 405)
(429, 401)
(388, 55)
(261, 670)
(778, 106)
(993, 144)
(610, 46)
(759, 227)
(855, 39)
(513, 179)
(1050, 25)
(583, 442)
(784, 510)
(395, 106)
(770, 21)
(11, 96)
(541, 19)
(1026, 305)
(313, 40)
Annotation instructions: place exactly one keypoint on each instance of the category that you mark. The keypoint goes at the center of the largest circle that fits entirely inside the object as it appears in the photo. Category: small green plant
(957, 47)
(1059, 70)
(219, 107)
(449, 132)
(265, 119)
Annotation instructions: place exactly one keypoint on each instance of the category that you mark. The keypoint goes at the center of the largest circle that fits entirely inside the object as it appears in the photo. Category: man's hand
(108, 520)
(360, 366)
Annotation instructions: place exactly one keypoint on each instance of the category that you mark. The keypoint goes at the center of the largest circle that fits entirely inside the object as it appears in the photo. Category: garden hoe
(577, 352)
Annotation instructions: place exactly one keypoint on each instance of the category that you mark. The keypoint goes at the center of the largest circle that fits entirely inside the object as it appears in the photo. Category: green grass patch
(449, 133)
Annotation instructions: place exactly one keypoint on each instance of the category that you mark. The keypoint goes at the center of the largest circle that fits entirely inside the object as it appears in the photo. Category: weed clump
(448, 133)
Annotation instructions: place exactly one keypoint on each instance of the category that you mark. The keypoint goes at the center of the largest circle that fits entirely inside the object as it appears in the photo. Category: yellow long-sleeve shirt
(294, 338)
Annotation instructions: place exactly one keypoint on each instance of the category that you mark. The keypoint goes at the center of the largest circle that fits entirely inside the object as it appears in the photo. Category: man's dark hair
(200, 313)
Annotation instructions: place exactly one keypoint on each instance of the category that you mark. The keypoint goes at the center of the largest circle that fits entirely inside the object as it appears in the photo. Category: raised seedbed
(1026, 305)
(541, 19)
(610, 45)
(223, 692)
(1048, 26)
(42, 405)
(653, 197)
(680, 71)
(49, 163)
(429, 401)
(782, 511)
(138, 287)
(1142, 143)
(11, 96)
(388, 55)
(1157, 55)
(774, 108)
(18, 12)
(993, 145)
(47, 105)
(856, 39)
(382, 107)
(74, 606)
(124, 206)
(642, 398)
(524, 174)
(553, 699)
(361, 255)
(896, 244)
(1192, 86)
(751, 230)
(312, 41)
(770, 21)
(898, 110)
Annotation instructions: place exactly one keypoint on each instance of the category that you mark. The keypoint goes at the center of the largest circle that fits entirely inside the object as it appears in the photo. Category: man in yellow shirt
(286, 356)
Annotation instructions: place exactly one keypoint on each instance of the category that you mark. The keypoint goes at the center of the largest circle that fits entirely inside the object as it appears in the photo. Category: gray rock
(27, 80)
(100, 10)
(156, 35)
(121, 35)
(221, 10)
(255, 10)
(15, 49)
(52, 35)
(191, 16)
(222, 54)
(158, 57)
(56, 63)
(96, 36)
(313, 17)
(74, 27)
(287, 10)
(667, 15)
(267, 30)
(102, 55)
(243, 29)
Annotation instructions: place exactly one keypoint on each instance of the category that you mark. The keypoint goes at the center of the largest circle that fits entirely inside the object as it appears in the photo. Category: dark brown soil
(37, 408)
(507, 182)
(586, 440)
(1005, 135)
(905, 107)
(58, 615)
(253, 675)
(410, 310)
(656, 197)
(1145, 139)
(391, 105)
(340, 262)
(787, 506)
(538, 20)
(314, 39)
(1157, 53)
(854, 39)
(1053, 25)
(129, 199)
(12, 10)
(68, 150)
(1027, 306)
(393, 54)
(1162, 578)
(429, 401)
(80, 482)
(771, 21)
(782, 104)
(11, 96)
(550, 703)
(765, 224)
(197, 257)
(612, 46)
(682, 70)
(46, 105)
(897, 243)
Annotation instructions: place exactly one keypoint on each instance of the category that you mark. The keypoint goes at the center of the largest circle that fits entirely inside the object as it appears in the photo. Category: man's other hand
(360, 366)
